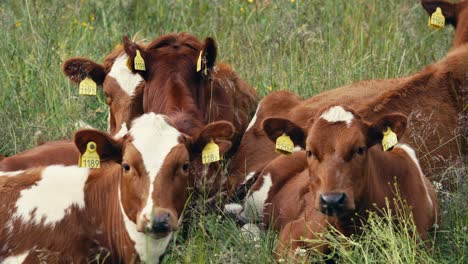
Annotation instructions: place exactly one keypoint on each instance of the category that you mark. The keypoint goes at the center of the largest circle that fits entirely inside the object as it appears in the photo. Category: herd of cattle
(162, 118)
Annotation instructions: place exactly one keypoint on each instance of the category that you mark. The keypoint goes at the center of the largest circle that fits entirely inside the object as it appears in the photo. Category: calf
(347, 174)
(100, 212)
(455, 14)
(439, 135)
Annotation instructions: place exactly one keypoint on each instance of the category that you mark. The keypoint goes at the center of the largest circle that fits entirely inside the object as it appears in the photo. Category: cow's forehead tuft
(337, 114)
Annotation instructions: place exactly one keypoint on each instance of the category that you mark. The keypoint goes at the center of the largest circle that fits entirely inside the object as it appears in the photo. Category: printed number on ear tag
(87, 87)
(284, 145)
(138, 62)
(210, 153)
(437, 19)
(90, 159)
(389, 139)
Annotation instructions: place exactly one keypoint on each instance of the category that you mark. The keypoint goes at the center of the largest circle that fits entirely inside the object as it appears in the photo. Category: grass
(305, 46)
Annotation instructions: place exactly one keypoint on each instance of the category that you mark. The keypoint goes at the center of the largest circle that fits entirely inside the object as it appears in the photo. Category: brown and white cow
(433, 99)
(455, 14)
(69, 213)
(343, 173)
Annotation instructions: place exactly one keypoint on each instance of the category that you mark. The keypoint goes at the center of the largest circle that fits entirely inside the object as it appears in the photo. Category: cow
(455, 14)
(342, 175)
(438, 134)
(109, 211)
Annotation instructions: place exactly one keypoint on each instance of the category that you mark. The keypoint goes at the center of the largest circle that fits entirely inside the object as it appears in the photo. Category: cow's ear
(77, 69)
(107, 147)
(207, 57)
(274, 127)
(133, 49)
(449, 9)
(217, 131)
(396, 122)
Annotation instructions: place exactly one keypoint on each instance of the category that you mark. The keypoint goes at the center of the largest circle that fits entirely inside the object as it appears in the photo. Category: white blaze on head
(127, 80)
(154, 138)
(59, 188)
(337, 114)
(254, 119)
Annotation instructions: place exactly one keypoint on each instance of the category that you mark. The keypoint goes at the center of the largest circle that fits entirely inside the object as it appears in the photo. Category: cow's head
(122, 88)
(173, 162)
(171, 75)
(455, 14)
(337, 143)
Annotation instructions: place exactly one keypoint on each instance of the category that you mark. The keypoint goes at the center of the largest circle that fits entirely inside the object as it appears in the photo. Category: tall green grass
(302, 46)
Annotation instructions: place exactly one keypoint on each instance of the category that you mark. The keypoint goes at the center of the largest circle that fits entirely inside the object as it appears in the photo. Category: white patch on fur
(254, 119)
(127, 80)
(412, 154)
(232, 208)
(123, 130)
(59, 188)
(255, 202)
(248, 177)
(16, 259)
(149, 249)
(154, 138)
(297, 148)
(10, 173)
(251, 232)
(337, 114)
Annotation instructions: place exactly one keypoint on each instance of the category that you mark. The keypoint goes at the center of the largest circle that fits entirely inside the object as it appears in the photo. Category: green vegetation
(303, 46)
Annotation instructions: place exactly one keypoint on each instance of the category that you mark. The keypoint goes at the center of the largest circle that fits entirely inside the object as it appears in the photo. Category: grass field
(302, 46)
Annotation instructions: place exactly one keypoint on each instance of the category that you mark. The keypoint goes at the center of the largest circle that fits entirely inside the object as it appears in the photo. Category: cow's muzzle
(332, 204)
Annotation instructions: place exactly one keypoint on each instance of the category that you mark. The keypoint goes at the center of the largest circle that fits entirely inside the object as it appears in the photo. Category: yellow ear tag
(284, 145)
(90, 159)
(87, 87)
(437, 19)
(389, 139)
(199, 61)
(138, 62)
(210, 153)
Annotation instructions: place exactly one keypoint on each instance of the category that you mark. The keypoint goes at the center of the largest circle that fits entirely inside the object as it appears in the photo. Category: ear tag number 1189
(90, 159)
(210, 153)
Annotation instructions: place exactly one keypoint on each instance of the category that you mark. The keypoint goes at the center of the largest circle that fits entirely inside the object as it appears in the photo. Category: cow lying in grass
(455, 14)
(73, 214)
(433, 99)
(342, 175)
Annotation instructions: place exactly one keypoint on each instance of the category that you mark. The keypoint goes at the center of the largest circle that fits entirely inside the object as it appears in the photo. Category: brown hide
(433, 99)
(455, 14)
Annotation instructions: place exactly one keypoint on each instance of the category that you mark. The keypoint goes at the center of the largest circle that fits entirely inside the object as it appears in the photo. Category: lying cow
(344, 173)
(455, 14)
(432, 98)
(110, 212)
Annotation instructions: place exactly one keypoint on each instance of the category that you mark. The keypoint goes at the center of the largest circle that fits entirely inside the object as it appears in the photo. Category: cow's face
(337, 143)
(122, 87)
(171, 157)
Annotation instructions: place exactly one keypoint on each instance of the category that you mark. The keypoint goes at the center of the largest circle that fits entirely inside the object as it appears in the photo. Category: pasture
(302, 46)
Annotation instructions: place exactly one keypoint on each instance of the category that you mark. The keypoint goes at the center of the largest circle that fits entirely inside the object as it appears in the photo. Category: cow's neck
(103, 205)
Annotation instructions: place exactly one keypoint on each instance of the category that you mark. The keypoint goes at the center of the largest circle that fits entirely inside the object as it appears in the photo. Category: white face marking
(17, 259)
(123, 130)
(58, 189)
(10, 173)
(412, 154)
(248, 177)
(154, 138)
(254, 119)
(127, 80)
(253, 206)
(337, 114)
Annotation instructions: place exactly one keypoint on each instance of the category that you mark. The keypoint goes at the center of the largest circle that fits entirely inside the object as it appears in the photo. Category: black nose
(160, 223)
(332, 203)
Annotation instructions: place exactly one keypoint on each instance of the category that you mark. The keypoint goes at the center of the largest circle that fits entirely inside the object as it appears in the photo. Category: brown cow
(455, 14)
(434, 99)
(344, 172)
(75, 225)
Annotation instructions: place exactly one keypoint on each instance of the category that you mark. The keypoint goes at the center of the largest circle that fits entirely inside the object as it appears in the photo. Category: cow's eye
(185, 167)
(310, 154)
(125, 166)
(360, 150)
